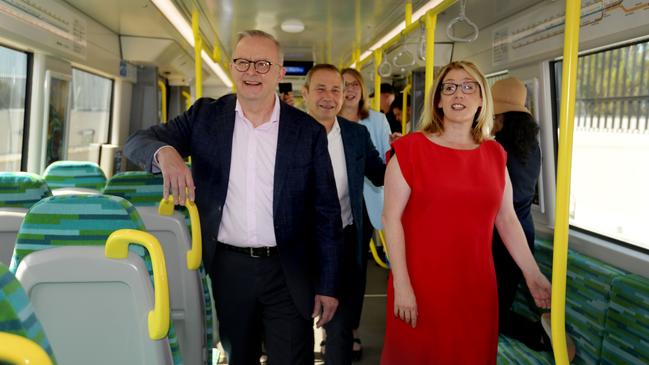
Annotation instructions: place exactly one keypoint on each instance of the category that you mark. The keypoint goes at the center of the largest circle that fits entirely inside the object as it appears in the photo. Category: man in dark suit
(265, 189)
(353, 156)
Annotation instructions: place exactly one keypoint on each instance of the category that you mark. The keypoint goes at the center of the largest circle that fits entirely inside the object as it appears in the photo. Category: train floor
(372, 320)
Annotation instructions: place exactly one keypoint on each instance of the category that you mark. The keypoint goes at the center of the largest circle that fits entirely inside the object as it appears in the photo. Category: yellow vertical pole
(404, 108)
(198, 48)
(431, 23)
(188, 99)
(376, 103)
(163, 101)
(567, 114)
(408, 13)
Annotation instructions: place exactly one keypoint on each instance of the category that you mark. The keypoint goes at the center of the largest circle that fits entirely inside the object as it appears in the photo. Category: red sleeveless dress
(448, 224)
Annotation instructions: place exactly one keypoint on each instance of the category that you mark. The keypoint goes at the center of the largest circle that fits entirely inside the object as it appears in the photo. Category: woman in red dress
(446, 187)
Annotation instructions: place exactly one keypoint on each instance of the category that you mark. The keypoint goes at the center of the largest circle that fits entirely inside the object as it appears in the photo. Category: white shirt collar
(274, 116)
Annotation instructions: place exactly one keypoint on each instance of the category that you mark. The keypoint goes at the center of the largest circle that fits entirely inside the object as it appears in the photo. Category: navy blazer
(362, 160)
(306, 212)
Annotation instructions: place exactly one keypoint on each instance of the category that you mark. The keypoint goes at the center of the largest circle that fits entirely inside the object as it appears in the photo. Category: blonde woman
(445, 189)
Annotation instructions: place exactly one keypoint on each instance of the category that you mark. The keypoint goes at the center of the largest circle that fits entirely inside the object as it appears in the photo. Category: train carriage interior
(78, 77)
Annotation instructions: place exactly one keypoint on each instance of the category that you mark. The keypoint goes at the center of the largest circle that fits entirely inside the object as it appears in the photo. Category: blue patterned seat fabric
(76, 174)
(22, 189)
(85, 220)
(626, 340)
(16, 313)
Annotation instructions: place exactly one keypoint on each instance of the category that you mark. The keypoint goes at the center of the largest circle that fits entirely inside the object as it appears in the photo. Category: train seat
(78, 174)
(627, 323)
(592, 289)
(78, 220)
(18, 192)
(17, 314)
(191, 305)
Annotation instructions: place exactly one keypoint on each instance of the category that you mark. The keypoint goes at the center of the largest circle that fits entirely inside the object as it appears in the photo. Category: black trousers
(339, 329)
(253, 302)
(360, 280)
(509, 276)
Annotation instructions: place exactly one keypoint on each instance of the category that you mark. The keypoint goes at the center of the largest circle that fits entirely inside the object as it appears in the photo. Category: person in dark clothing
(517, 131)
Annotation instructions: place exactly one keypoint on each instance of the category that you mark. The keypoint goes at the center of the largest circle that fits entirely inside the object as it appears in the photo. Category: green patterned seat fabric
(76, 174)
(587, 299)
(513, 352)
(138, 187)
(85, 220)
(145, 189)
(626, 340)
(16, 313)
(22, 189)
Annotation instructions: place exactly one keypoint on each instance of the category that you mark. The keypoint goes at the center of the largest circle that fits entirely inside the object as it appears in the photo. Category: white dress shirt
(247, 219)
(337, 154)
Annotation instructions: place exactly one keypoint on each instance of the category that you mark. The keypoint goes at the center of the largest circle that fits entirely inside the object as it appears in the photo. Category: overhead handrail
(117, 248)
(21, 351)
(567, 120)
(195, 253)
(462, 18)
(163, 101)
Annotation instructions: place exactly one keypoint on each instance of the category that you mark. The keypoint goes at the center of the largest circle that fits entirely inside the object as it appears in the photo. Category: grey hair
(261, 34)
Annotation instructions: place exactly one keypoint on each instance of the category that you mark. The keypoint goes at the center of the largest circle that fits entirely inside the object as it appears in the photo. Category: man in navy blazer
(264, 186)
(353, 157)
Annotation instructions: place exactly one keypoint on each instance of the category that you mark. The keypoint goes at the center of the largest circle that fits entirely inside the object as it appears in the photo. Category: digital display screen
(297, 68)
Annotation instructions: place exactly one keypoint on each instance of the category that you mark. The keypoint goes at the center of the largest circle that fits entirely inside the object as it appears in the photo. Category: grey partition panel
(94, 310)
(10, 221)
(185, 288)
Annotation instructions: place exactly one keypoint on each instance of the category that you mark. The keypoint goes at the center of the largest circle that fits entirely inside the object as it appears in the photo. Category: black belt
(266, 251)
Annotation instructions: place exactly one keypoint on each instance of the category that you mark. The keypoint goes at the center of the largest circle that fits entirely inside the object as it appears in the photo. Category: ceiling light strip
(176, 19)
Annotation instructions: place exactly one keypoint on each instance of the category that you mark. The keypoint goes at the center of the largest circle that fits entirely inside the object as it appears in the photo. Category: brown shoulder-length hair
(432, 120)
(363, 104)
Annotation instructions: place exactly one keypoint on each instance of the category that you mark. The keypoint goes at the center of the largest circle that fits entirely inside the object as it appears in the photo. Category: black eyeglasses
(468, 87)
(261, 66)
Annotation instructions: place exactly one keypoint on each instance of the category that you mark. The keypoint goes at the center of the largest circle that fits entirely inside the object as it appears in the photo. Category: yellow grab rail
(117, 248)
(567, 114)
(375, 253)
(198, 49)
(376, 102)
(404, 108)
(163, 101)
(188, 99)
(431, 24)
(21, 351)
(195, 253)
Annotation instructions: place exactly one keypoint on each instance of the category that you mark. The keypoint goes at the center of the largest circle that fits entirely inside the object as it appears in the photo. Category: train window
(13, 94)
(90, 115)
(611, 143)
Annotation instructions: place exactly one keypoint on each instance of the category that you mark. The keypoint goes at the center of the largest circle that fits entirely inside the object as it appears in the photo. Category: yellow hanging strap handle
(19, 350)
(195, 253)
(117, 248)
(375, 253)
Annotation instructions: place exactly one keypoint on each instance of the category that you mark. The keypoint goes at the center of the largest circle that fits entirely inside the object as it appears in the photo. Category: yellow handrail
(431, 24)
(376, 102)
(188, 99)
(567, 114)
(21, 351)
(374, 251)
(117, 248)
(408, 12)
(163, 100)
(404, 108)
(195, 253)
(198, 48)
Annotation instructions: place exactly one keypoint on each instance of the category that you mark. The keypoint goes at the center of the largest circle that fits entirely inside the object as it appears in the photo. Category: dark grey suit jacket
(362, 160)
(306, 212)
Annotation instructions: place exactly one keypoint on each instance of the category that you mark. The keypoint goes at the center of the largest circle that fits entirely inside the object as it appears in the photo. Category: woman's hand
(540, 288)
(405, 304)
